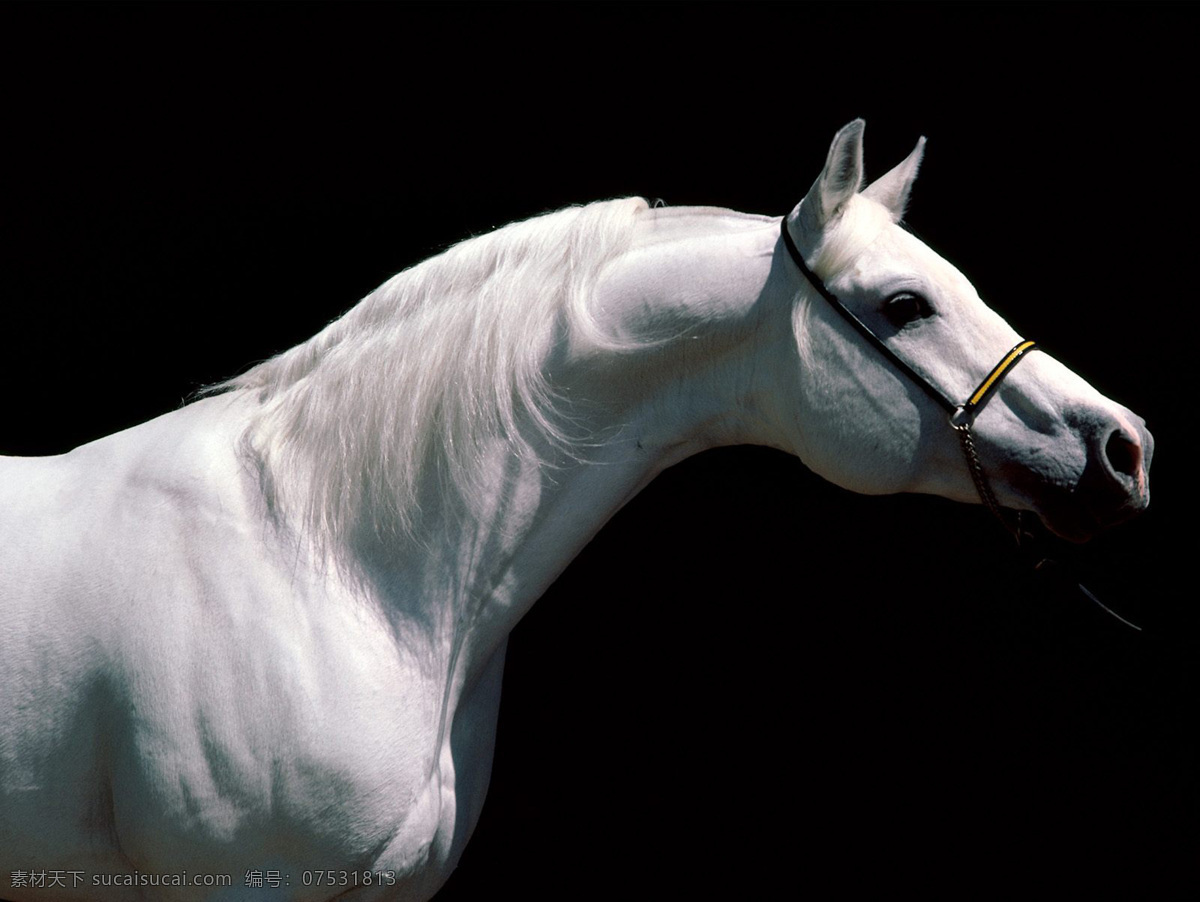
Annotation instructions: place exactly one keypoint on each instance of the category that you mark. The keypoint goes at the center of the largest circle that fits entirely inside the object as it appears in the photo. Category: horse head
(1047, 441)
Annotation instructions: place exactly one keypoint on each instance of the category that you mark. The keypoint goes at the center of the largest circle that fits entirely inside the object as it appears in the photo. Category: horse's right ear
(892, 189)
(838, 182)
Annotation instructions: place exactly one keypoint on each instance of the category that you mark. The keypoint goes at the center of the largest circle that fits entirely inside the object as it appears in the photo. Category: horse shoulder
(222, 679)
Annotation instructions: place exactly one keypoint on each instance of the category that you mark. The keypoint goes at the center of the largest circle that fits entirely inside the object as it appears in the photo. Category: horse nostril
(1124, 455)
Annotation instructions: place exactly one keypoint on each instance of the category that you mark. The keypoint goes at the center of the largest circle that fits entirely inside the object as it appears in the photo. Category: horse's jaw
(1078, 527)
(1079, 523)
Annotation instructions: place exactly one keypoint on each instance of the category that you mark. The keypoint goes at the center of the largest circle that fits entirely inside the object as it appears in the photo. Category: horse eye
(906, 307)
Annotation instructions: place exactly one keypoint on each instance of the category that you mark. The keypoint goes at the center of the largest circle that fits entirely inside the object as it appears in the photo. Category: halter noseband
(961, 415)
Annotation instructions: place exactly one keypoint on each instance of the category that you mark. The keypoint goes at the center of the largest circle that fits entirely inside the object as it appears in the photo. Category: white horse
(265, 633)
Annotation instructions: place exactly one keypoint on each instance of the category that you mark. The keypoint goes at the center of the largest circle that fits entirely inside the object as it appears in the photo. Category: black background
(751, 680)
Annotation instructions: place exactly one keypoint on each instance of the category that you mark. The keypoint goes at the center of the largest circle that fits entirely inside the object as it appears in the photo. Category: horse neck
(688, 309)
(703, 313)
(677, 331)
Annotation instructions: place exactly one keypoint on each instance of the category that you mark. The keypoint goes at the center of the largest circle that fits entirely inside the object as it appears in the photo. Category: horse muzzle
(1114, 485)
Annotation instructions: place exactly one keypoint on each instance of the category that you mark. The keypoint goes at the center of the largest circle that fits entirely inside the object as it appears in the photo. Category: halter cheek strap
(961, 415)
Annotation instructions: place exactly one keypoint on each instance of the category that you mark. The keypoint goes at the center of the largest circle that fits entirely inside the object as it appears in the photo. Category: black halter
(961, 415)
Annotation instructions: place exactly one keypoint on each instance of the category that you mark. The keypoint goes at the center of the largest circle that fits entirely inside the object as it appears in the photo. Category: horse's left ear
(892, 189)
(838, 182)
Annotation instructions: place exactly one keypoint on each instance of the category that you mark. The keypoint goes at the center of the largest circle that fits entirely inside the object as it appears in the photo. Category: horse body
(199, 691)
(217, 659)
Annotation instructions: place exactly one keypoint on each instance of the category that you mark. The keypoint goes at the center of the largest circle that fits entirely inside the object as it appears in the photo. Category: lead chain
(981, 484)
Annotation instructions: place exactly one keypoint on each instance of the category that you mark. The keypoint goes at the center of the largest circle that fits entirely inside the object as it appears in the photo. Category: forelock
(858, 224)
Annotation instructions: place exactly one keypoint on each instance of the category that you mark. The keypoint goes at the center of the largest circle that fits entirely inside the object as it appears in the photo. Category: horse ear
(892, 189)
(838, 182)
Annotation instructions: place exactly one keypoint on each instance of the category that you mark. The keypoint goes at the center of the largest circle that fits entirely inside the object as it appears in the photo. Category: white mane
(859, 223)
(437, 363)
